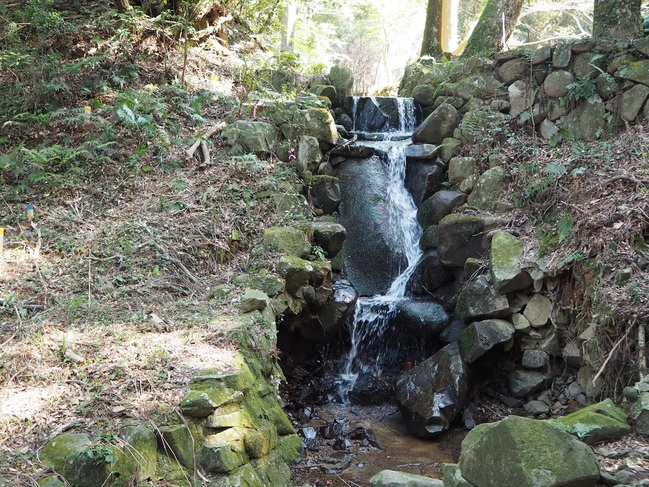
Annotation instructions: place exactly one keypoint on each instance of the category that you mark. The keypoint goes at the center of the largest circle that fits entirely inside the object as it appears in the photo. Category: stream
(350, 437)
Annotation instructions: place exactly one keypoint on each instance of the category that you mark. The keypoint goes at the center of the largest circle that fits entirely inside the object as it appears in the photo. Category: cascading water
(372, 315)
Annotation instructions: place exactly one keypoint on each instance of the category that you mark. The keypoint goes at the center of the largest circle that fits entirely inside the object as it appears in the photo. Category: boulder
(478, 300)
(327, 91)
(433, 393)
(488, 189)
(632, 101)
(522, 383)
(514, 69)
(556, 83)
(376, 114)
(603, 421)
(299, 272)
(462, 236)
(288, 241)
(316, 122)
(453, 476)
(438, 125)
(332, 316)
(521, 452)
(330, 236)
(430, 274)
(483, 86)
(442, 203)
(481, 336)
(640, 414)
(461, 168)
(309, 154)
(254, 300)
(521, 98)
(504, 264)
(369, 389)
(292, 206)
(535, 359)
(245, 136)
(562, 56)
(390, 478)
(421, 151)
(449, 149)
(342, 79)
(423, 179)
(429, 238)
(426, 319)
(324, 192)
(370, 253)
(537, 311)
(588, 120)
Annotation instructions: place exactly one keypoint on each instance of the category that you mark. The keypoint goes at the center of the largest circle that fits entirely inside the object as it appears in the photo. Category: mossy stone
(48, 482)
(197, 404)
(260, 442)
(178, 443)
(603, 421)
(521, 452)
(173, 472)
(254, 300)
(143, 446)
(271, 285)
(288, 241)
(290, 448)
(220, 458)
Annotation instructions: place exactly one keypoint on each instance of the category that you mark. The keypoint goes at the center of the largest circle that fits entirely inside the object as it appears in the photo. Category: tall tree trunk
(489, 36)
(432, 43)
(289, 13)
(617, 19)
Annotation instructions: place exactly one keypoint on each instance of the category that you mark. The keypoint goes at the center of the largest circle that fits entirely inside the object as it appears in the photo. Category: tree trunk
(489, 36)
(122, 5)
(289, 14)
(617, 19)
(432, 43)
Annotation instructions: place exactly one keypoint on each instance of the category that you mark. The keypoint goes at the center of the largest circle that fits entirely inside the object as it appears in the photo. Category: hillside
(107, 293)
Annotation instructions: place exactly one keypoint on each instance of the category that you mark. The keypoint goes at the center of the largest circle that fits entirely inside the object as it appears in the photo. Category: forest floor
(107, 295)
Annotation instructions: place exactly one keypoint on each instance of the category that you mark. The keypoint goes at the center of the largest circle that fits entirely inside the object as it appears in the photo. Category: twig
(175, 261)
(28, 307)
(610, 354)
(642, 357)
(205, 152)
(190, 152)
(624, 177)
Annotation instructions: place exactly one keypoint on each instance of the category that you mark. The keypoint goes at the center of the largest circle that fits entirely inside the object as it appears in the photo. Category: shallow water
(399, 451)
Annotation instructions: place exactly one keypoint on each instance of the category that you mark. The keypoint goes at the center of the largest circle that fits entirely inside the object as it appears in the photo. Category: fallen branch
(624, 177)
(176, 262)
(28, 307)
(205, 152)
(610, 354)
(642, 357)
(190, 152)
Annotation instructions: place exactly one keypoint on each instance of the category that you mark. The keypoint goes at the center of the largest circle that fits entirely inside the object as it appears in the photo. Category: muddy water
(399, 450)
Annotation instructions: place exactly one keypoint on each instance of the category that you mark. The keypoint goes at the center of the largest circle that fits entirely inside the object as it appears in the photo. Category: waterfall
(372, 315)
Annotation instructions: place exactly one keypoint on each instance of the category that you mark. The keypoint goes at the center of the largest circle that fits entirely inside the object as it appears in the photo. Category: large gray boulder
(433, 393)
(478, 300)
(430, 274)
(588, 121)
(325, 193)
(438, 125)
(488, 189)
(423, 179)
(462, 236)
(521, 452)
(316, 122)
(371, 254)
(426, 319)
(504, 264)
(603, 421)
(245, 136)
(480, 337)
(442, 203)
(329, 236)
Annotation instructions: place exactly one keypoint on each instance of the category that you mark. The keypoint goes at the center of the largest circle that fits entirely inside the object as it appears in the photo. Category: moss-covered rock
(478, 300)
(197, 404)
(480, 337)
(324, 192)
(142, 443)
(603, 421)
(178, 443)
(49, 481)
(299, 272)
(390, 478)
(521, 452)
(260, 442)
(488, 189)
(254, 300)
(288, 241)
(462, 236)
(84, 462)
(504, 264)
(247, 136)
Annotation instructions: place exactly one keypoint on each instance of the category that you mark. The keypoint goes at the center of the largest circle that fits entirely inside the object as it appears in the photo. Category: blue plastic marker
(30, 213)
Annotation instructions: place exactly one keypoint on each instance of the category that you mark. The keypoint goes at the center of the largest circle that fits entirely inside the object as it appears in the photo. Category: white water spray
(372, 315)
